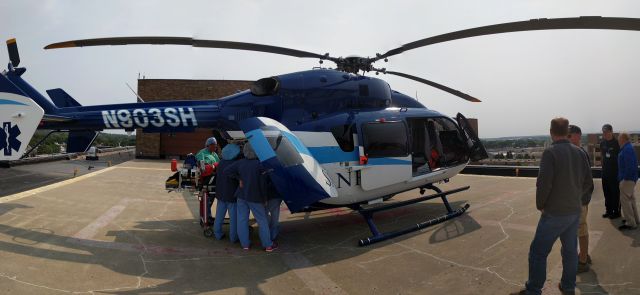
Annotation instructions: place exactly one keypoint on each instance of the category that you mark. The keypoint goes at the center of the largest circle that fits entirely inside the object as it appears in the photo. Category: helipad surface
(117, 231)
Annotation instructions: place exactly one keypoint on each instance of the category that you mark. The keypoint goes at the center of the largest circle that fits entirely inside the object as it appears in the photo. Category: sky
(524, 79)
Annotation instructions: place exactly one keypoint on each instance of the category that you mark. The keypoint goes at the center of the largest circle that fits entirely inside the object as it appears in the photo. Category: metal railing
(516, 171)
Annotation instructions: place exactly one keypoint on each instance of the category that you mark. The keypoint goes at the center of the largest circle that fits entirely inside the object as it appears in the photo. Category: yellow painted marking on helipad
(143, 168)
(45, 188)
(36, 191)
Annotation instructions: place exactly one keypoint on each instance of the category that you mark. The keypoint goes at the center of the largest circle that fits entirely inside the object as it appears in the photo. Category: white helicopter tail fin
(19, 119)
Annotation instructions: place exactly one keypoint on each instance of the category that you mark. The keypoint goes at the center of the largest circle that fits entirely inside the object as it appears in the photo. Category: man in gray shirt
(563, 181)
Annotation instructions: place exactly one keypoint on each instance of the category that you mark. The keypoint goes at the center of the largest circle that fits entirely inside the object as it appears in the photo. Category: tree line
(513, 143)
(52, 144)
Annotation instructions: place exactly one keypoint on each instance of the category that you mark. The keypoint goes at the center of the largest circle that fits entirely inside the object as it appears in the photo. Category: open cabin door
(297, 176)
(476, 149)
(386, 146)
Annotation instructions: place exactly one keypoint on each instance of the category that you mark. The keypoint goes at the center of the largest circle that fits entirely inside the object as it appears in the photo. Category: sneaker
(269, 249)
(583, 267)
(274, 245)
(521, 292)
(246, 248)
(606, 215)
(614, 215)
(564, 292)
(589, 259)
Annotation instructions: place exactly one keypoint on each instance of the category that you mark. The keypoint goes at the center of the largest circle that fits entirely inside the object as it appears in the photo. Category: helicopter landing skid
(367, 214)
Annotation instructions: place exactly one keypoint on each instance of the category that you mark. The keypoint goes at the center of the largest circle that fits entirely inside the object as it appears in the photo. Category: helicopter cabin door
(385, 146)
(476, 149)
(296, 175)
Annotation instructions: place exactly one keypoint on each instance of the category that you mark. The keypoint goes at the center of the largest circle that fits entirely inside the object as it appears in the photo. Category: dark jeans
(273, 212)
(611, 190)
(550, 228)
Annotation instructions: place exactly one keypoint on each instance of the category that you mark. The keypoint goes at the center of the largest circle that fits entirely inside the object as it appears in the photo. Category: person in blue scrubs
(226, 189)
(251, 197)
(273, 208)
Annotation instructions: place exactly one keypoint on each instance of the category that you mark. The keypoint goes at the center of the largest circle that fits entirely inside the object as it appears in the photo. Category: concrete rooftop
(117, 231)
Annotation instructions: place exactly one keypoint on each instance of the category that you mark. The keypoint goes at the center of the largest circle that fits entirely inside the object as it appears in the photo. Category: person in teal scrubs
(208, 153)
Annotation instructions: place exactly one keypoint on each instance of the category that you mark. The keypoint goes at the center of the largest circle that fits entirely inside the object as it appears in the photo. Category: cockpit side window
(385, 139)
(282, 146)
(344, 136)
(454, 149)
(436, 143)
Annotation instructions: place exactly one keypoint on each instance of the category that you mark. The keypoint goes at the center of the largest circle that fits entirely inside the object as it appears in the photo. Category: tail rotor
(14, 56)
(19, 114)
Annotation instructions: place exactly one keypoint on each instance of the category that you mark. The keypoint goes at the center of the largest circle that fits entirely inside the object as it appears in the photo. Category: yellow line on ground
(36, 191)
(143, 168)
(497, 176)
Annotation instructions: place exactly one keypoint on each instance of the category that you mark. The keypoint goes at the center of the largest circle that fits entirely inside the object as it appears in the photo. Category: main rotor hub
(354, 64)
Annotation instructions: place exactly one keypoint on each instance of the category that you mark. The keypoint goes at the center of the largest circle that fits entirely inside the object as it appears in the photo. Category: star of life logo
(9, 138)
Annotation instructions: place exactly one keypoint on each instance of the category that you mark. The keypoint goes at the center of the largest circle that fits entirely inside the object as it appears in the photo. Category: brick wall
(155, 145)
(173, 89)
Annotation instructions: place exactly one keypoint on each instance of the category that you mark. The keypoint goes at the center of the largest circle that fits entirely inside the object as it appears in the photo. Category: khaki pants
(628, 203)
(583, 229)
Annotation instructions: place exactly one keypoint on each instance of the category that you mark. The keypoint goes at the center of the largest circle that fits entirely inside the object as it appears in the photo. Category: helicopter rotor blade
(583, 22)
(187, 41)
(436, 85)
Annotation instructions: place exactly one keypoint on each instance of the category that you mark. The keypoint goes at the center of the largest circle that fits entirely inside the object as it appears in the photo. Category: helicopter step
(368, 211)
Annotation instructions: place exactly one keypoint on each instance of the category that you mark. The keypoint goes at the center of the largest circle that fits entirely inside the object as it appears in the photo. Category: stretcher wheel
(208, 232)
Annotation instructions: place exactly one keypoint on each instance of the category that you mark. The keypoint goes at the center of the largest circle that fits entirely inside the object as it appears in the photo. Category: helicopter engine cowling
(317, 93)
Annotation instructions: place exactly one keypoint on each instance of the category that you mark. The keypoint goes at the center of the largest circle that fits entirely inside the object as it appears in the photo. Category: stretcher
(199, 178)
(206, 196)
(185, 177)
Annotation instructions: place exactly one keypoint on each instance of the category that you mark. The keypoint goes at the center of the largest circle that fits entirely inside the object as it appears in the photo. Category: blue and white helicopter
(329, 137)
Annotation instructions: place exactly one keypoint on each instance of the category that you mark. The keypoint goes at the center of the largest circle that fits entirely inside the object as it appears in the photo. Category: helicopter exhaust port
(368, 211)
(265, 86)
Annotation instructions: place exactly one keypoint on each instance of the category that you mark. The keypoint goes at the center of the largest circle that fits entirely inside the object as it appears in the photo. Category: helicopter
(329, 137)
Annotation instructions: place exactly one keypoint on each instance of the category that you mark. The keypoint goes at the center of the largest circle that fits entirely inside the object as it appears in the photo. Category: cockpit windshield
(283, 146)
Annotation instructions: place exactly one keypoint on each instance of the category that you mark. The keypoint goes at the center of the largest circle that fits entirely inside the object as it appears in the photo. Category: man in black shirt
(609, 149)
